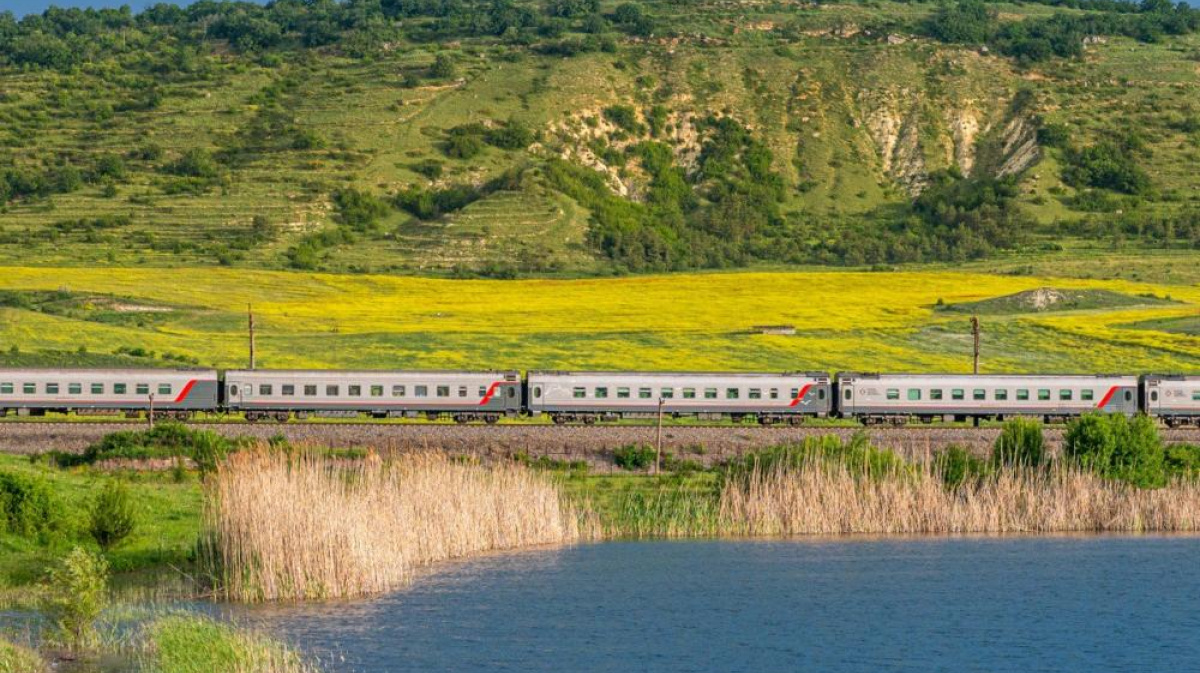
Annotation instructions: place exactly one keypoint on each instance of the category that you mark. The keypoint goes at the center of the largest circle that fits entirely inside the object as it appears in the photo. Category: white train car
(462, 395)
(895, 398)
(172, 392)
(588, 397)
(1173, 398)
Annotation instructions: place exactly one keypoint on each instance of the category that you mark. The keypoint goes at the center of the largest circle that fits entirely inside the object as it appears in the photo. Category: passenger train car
(173, 392)
(1173, 398)
(589, 397)
(462, 395)
(594, 396)
(878, 398)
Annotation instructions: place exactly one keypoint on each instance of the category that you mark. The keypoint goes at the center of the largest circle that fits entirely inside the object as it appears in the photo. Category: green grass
(1052, 299)
(17, 659)
(191, 644)
(168, 520)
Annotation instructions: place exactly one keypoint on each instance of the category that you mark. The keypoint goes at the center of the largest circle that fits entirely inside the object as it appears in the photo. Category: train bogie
(588, 397)
(1173, 398)
(175, 392)
(460, 395)
(896, 398)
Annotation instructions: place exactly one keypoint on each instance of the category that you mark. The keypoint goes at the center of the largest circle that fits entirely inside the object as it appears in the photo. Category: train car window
(333, 391)
(1000, 394)
(958, 394)
(6, 389)
(1022, 394)
(622, 393)
(689, 393)
(820, 394)
(775, 394)
(935, 394)
(288, 390)
(233, 390)
(443, 391)
(668, 393)
(731, 393)
(579, 392)
(421, 391)
(601, 392)
(1196, 395)
(1043, 394)
(377, 391)
(266, 389)
(979, 394)
(710, 393)
(510, 392)
(119, 388)
(354, 391)
(755, 394)
(483, 391)
(537, 392)
(310, 390)
(74, 388)
(1087, 395)
(849, 393)
(1065, 394)
(462, 391)
(914, 393)
(141, 388)
(645, 393)
(1153, 395)
(795, 393)
(1128, 396)
(399, 391)
(893, 393)
(51, 388)
(164, 389)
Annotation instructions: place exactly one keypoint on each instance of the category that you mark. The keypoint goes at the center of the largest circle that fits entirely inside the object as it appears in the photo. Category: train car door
(1153, 396)
(234, 393)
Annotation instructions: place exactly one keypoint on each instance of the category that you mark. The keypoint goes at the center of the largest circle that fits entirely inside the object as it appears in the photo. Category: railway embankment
(706, 445)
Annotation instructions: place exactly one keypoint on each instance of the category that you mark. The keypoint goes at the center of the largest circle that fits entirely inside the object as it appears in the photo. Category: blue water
(974, 604)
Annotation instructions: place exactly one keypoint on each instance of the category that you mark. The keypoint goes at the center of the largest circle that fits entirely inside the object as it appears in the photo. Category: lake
(1083, 603)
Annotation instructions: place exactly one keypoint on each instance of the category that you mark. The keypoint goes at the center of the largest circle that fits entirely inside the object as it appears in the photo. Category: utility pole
(658, 439)
(150, 416)
(250, 315)
(975, 334)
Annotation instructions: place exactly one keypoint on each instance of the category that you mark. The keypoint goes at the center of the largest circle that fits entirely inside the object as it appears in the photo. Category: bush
(1020, 443)
(28, 507)
(956, 466)
(1182, 460)
(112, 517)
(634, 456)
(165, 440)
(76, 593)
(1117, 447)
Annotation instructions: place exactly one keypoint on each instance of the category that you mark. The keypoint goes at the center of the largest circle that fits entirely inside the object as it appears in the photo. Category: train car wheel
(281, 416)
(491, 419)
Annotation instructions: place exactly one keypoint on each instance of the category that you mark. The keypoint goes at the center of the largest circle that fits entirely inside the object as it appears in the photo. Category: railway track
(704, 443)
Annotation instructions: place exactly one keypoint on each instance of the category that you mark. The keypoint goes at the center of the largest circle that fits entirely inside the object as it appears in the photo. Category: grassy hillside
(886, 321)
(586, 139)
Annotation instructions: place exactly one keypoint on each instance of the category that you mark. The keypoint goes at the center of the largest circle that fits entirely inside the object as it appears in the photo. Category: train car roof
(627, 372)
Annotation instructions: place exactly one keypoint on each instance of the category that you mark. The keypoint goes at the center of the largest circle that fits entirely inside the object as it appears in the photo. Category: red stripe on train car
(187, 388)
(490, 392)
(800, 395)
(1107, 396)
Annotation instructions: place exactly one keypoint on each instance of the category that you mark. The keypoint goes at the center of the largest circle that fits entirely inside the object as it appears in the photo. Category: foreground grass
(190, 644)
(17, 659)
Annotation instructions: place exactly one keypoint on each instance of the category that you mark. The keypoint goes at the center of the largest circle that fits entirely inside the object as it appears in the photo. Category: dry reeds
(298, 527)
(820, 498)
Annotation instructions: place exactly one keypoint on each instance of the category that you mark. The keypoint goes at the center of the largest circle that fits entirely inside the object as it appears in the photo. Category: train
(589, 397)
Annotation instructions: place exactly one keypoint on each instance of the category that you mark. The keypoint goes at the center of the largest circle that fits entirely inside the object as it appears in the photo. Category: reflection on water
(987, 604)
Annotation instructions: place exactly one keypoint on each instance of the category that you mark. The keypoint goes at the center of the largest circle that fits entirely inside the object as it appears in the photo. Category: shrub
(634, 456)
(112, 517)
(165, 440)
(28, 507)
(1117, 447)
(957, 466)
(76, 593)
(1182, 459)
(1020, 443)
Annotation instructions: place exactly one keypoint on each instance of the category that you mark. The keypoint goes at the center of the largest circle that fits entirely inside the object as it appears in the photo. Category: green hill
(576, 137)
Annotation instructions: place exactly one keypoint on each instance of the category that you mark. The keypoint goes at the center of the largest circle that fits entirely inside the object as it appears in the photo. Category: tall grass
(18, 659)
(819, 497)
(191, 644)
(297, 526)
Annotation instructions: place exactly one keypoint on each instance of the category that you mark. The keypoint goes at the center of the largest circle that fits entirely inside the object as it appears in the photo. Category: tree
(76, 593)
(443, 67)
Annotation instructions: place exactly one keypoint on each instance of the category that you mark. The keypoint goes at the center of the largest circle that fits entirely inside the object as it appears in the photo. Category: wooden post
(658, 439)
(975, 334)
(250, 315)
(150, 416)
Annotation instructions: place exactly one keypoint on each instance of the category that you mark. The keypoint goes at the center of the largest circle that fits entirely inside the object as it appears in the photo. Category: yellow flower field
(695, 321)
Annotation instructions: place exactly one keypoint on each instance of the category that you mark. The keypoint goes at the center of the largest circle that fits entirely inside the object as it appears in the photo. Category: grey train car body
(591, 396)
(896, 397)
(1173, 398)
(486, 395)
(177, 391)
